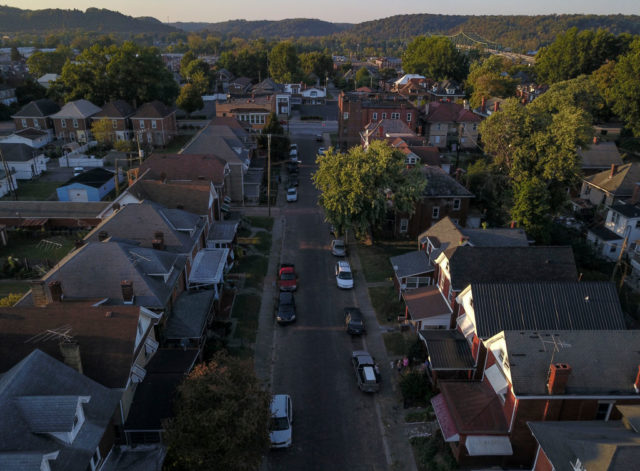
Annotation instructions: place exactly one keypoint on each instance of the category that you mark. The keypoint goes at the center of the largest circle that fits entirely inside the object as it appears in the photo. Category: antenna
(557, 345)
(60, 333)
(138, 257)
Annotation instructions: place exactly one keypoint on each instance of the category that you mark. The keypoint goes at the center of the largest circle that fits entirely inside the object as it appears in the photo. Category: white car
(78, 171)
(322, 151)
(292, 194)
(280, 425)
(344, 276)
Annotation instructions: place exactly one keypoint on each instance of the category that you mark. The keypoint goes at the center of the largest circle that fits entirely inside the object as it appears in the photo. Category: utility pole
(116, 180)
(269, 173)
(12, 188)
(619, 261)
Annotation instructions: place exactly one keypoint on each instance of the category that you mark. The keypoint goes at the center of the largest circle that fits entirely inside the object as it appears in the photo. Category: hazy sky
(349, 11)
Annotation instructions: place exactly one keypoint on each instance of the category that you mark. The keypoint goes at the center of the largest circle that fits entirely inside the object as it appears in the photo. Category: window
(456, 204)
(384, 115)
(435, 213)
(437, 139)
(141, 124)
(404, 225)
(75, 123)
(95, 459)
(463, 140)
(24, 123)
(114, 123)
(374, 117)
(154, 125)
(345, 115)
(613, 248)
(314, 93)
(637, 224)
(587, 190)
(475, 126)
(408, 117)
(64, 123)
(36, 124)
(604, 410)
(395, 115)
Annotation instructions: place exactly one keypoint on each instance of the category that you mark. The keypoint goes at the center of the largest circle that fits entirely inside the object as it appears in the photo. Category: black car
(354, 321)
(293, 179)
(286, 308)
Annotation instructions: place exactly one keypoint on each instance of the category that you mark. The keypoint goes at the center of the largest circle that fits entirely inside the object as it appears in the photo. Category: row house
(388, 130)
(118, 113)
(37, 115)
(155, 123)
(446, 90)
(537, 375)
(301, 94)
(604, 188)
(73, 121)
(622, 222)
(358, 109)
(240, 86)
(416, 90)
(418, 154)
(253, 111)
(448, 124)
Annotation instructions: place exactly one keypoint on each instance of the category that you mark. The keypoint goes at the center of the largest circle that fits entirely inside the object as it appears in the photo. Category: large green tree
(488, 78)
(318, 63)
(284, 64)
(190, 98)
(40, 63)
(222, 418)
(434, 57)
(279, 141)
(358, 187)
(625, 88)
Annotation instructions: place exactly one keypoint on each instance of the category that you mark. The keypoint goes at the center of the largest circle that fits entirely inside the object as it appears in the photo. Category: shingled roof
(37, 109)
(621, 184)
(18, 152)
(184, 167)
(79, 109)
(191, 196)
(446, 112)
(153, 109)
(440, 184)
(600, 155)
(116, 109)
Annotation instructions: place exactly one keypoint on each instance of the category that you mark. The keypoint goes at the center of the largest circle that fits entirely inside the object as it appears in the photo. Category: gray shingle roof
(79, 109)
(223, 231)
(40, 375)
(545, 305)
(447, 349)
(469, 264)
(153, 109)
(599, 445)
(189, 315)
(601, 155)
(37, 109)
(51, 209)
(627, 209)
(411, 263)
(116, 109)
(497, 237)
(604, 233)
(621, 184)
(220, 141)
(440, 184)
(18, 152)
(603, 362)
(46, 414)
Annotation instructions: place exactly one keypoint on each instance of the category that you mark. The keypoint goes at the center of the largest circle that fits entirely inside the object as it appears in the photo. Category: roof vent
(586, 299)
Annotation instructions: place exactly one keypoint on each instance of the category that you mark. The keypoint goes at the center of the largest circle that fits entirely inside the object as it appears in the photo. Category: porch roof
(425, 302)
(411, 264)
(447, 349)
(208, 267)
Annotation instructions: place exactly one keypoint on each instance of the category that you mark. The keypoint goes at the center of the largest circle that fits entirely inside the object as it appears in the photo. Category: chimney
(103, 235)
(127, 291)
(71, 354)
(55, 288)
(496, 106)
(636, 385)
(39, 293)
(158, 240)
(614, 167)
(558, 378)
(635, 197)
(484, 105)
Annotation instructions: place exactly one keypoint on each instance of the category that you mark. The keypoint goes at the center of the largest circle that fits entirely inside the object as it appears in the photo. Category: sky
(337, 11)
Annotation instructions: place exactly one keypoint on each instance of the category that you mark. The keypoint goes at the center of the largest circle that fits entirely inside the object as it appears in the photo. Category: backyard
(34, 191)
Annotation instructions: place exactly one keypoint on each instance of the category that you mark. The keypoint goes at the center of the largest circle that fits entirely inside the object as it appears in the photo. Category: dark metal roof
(96, 177)
(543, 305)
(603, 233)
(447, 349)
(189, 316)
(626, 209)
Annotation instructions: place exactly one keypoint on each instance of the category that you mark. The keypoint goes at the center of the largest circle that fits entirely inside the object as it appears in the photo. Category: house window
(36, 124)
(587, 190)
(395, 115)
(24, 123)
(437, 139)
(404, 225)
(154, 125)
(384, 115)
(64, 123)
(613, 248)
(374, 117)
(463, 140)
(75, 123)
(141, 124)
(314, 93)
(345, 115)
(456, 204)
(604, 410)
(637, 224)
(475, 126)
(408, 117)
(114, 123)
(435, 213)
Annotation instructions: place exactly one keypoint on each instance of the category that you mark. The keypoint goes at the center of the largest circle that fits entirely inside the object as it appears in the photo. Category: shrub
(415, 388)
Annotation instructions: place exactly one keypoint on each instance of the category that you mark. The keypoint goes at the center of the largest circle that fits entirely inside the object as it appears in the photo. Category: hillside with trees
(289, 28)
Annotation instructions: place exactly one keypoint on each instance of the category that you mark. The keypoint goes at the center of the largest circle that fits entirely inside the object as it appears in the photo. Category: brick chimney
(55, 288)
(483, 107)
(558, 378)
(636, 384)
(71, 354)
(103, 235)
(39, 293)
(158, 240)
(614, 167)
(127, 291)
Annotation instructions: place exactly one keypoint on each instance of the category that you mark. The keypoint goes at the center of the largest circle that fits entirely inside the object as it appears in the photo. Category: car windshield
(278, 423)
(344, 275)
(338, 244)
(292, 191)
(355, 322)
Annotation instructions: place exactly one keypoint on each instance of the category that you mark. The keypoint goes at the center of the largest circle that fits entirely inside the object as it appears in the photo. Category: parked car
(286, 308)
(354, 321)
(319, 137)
(338, 248)
(344, 277)
(322, 151)
(77, 171)
(292, 167)
(292, 194)
(293, 179)
(367, 371)
(280, 425)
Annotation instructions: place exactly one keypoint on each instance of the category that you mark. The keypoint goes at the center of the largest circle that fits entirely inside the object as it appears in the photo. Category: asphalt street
(336, 426)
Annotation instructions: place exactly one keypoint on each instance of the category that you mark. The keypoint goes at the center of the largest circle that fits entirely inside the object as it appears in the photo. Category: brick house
(536, 375)
(450, 123)
(119, 114)
(155, 123)
(73, 121)
(253, 111)
(37, 115)
(358, 109)
(388, 130)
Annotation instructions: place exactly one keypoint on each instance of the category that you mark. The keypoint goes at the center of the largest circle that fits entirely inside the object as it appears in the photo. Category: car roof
(354, 311)
(337, 241)
(344, 265)
(286, 296)
(279, 405)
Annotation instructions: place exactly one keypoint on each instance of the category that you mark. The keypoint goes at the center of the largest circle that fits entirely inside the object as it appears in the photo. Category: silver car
(338, 248)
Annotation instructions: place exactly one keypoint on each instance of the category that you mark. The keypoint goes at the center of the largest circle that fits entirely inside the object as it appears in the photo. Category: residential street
(335, 425)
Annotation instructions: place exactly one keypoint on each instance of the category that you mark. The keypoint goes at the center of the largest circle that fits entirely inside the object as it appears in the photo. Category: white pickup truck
(367, 371)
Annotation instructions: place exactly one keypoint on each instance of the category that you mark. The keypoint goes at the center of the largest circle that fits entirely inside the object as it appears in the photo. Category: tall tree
(434, 57)
(102, 130)
(279, 142)
(625, 89)
(318, 63)
(222, 418)
(487, 78)
(357, 188)
(189, 99)
(40, 63)
(284, 64)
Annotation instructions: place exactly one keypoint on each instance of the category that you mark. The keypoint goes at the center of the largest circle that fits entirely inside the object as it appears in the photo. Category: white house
(623, 220)
(32, 137)
(4, 183)
(24, 162)
(314, 96)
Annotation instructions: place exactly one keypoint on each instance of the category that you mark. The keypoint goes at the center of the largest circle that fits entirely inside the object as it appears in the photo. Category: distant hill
(291, 28)
(15, 20)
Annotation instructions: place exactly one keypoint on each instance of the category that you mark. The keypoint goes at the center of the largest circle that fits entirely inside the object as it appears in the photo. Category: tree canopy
(41, 63)
(358, 187)
(487, 79)
(222, 418)
(284, 64)
(434, 57)
(625, 88)
(279, 142)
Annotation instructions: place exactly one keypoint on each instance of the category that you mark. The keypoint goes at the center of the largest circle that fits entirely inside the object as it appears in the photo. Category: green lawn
(398, 343)
(386, 304)
(34, 190)
(246, 309)
(51, 248)
(375, 258)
